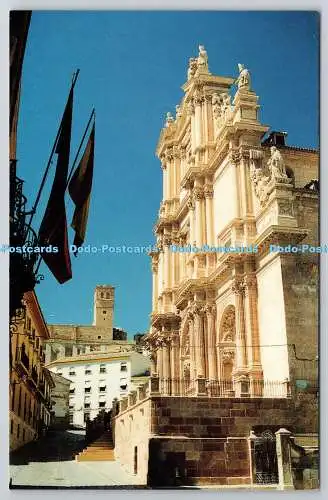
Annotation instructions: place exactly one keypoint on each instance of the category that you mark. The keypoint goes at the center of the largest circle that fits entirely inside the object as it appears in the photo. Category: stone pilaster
(241, 360)
(174, 357)
(208, 193)
(253, 337)
(199, 340)
(211, 341)
(166, 367)
(199, 195)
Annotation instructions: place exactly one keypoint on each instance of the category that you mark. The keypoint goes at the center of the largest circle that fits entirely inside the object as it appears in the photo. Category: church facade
(234, 323)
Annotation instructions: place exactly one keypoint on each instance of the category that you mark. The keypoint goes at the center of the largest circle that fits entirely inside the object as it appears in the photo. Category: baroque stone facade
(241, 314)
(233, 337)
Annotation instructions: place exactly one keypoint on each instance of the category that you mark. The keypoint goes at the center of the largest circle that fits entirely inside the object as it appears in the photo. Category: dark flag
(53, 229)
(80, 190)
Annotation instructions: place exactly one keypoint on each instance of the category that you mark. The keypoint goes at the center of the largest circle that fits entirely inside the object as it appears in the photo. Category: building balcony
(23, 362)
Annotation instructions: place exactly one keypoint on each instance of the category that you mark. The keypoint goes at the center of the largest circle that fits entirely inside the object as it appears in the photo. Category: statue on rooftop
(276, 165)
(244, 78)
(169, 119)
(202, 60)
(192, 67)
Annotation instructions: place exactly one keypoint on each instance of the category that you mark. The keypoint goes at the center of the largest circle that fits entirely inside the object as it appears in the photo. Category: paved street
(50, 462)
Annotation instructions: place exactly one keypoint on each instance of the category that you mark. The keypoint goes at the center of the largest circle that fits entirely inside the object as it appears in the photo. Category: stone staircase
(101, 449)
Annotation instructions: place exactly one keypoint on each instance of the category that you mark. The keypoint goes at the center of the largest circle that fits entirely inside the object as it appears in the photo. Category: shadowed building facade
(232, 317)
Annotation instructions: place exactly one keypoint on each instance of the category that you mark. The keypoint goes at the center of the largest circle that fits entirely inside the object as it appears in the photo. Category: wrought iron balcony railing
(22, 275)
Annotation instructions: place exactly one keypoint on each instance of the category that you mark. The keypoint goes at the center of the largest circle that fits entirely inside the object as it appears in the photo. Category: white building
(96, 380)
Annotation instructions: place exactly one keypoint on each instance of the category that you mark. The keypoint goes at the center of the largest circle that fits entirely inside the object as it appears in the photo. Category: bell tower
(104, 307)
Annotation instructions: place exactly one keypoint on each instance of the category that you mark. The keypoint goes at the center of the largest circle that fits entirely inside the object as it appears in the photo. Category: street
(50, 462)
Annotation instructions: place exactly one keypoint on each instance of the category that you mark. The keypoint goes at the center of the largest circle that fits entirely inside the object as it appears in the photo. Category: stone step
(93, 457)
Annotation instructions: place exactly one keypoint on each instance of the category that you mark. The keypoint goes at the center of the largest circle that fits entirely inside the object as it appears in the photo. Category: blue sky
(133, 65)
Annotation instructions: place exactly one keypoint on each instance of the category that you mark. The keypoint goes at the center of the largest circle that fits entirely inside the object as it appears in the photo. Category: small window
(102, 295)
(87, 390)
(104, 312)
(71, 417)
(72, 371)
(124, 367)
(71, 407)
(86, 405)
(102, 388)
(28, 324)
(72, 391)
(86, 416)
(107, 295)
(37, 343)
(99, 337)
(102, 404)
(102, 368)
(87, 370)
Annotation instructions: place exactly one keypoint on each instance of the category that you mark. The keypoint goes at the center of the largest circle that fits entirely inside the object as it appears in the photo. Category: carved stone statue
(202, 60)
(192, 67)
(178, 111)
(276, 165)
(244, 78)
(169, 119)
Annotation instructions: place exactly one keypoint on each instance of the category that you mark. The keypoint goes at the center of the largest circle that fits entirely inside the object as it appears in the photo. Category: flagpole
(45, 175)
(93, 114)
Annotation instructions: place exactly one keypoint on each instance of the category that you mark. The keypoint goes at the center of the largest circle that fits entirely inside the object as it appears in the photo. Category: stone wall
(131, 438)
(199, 440)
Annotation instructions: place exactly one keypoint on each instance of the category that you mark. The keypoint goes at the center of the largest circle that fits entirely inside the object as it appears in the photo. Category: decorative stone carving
(191, 202)
(198, 193)
(178, 111)
(228, 355)
(238, 287)
(169, 119)
(208, 191)
(228, 327)
(221, 108)
(202, 60)
(276, 166)
(192, 67)
(190, 108)
(244, 79)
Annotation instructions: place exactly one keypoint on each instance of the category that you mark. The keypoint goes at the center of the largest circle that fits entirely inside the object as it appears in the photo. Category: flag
(53, 228)
(80, 190)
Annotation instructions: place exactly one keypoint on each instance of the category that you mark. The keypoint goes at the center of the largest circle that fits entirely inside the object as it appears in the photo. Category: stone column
(191, 113)
(159, 367)
(198, 193)
(191, 205)
(153, 363)
(199, 341)
(174, 357)
(181, 258)
(198, 120)
(164, 178)
(241, 359)
(169, 173)
(166, 367)
(166, 264)
(284, 459)
(212, 361)
(253, 337)
(155, 281)
(193, 374)
(208, 192)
